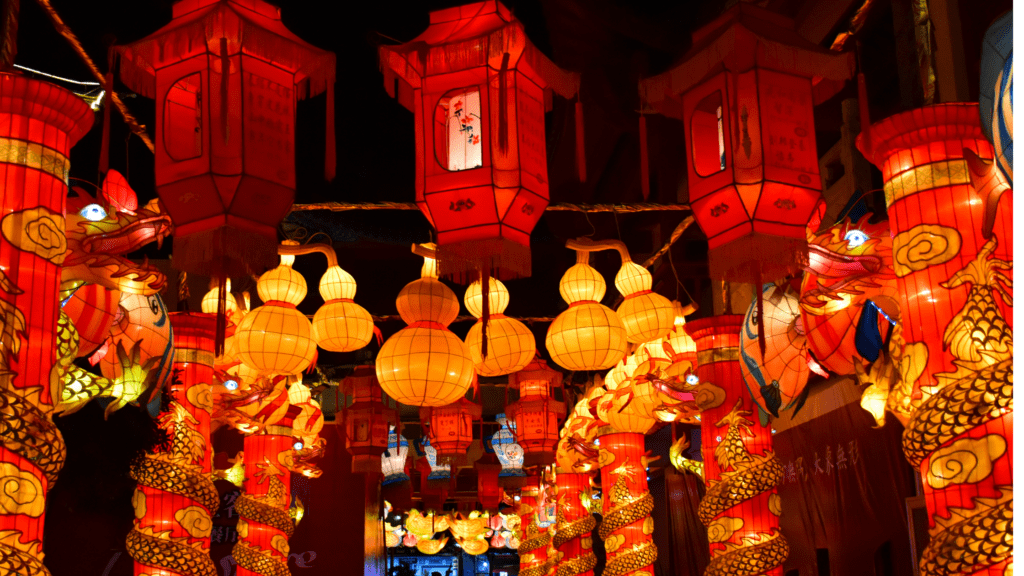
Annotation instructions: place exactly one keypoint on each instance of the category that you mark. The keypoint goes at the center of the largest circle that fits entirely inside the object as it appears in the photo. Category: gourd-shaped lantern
(424, 364)
(510, 344)
(536, 414)
(340, 325)
(646, 315)
(479, 91)
(392, 461)
(746, 98)
(226, 75)
(276, 338)
(367, 420)
(450, 427)
(679, 345)
(589, 335)
(509, 452)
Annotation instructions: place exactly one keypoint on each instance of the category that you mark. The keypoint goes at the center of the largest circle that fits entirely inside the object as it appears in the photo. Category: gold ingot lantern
(340, 325)
(424, 364)
(589, 335)
(276, 338)
(510, 344)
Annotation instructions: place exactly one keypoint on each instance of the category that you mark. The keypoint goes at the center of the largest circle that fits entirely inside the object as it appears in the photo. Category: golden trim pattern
(193, 356)
(36, 156)
(926, 177)
(705, 357)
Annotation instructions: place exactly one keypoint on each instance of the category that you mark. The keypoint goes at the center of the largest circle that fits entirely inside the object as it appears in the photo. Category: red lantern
(745, 94)
(226, 75)
(954, 336)
(489, 493)
(738, 457)
(434, 491)
(367, 420)
(574, 524)
(450, 428)
(479, 90)
(263, 543)
(182, 509)
(626, 524)
(536, 416)
(39, 123)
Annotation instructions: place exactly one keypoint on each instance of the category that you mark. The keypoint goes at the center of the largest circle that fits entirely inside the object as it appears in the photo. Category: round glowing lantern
(340, 325)
(368, 420)
(510, 344)
(537, 416)
(746, 95)
(425, 364)
(646, 315)
(778, 377)
(589, 335)
(450, 427)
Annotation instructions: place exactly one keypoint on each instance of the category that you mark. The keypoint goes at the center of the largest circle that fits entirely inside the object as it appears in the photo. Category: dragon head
(102, 230)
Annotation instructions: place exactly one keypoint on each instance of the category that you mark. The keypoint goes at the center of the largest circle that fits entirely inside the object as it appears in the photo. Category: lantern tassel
(581, 152)
(222, 316)
(645, 175)
(105, 142)
(225, 71)
(503, 104)
(330, 153)
(485, 276)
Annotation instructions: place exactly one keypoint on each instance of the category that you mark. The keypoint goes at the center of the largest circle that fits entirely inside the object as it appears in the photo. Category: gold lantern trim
(425, 364)
(510, 343)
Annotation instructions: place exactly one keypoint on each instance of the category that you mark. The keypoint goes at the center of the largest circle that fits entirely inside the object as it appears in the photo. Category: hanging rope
(68, 35)
(561, 207)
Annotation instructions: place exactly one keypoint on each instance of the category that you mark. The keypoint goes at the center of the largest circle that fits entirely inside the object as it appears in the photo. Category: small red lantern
(536, 416)
(450, 428)
(745, 94)
(226, 75)
(433, 491)
(479, 90)
(367, 420)
(489, 493)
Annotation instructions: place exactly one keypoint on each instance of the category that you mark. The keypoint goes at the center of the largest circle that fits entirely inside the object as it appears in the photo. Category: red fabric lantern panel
(479, 91)
(450, 427)
(954, 338)
(745, 94)
(39, 123)
(226, 75)
(368, 420)
(182, 509)
(537, 417)
(741, 507)
(626, 524)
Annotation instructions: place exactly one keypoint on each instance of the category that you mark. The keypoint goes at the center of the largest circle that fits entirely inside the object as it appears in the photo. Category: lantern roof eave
(256, 24)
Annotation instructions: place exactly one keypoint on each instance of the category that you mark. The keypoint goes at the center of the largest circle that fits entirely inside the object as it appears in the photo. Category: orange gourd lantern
(450, 427)
(226, 75)
(589, 335)
(510, 344)
(368, 420)
(181, 509)
(953, 345)
(745, 95)
(536, 415)
(479, 91)
(646, 315)
(626, 525)
(340, 325)
(39, 123)
(738, 456)
(276, 338)
(679, 346)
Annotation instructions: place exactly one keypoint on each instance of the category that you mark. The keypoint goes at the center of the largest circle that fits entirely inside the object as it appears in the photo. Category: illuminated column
(574, 525)
(39, 123)
(956, 332)
(741, 506)
(533, 546)
(264, 524)
(626, 525)
(175, 497)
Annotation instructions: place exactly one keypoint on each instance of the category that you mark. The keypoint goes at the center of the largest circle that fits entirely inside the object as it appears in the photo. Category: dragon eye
(855, 238)
(297, 446)
(692, 379)
(231, 384)
(93, 213)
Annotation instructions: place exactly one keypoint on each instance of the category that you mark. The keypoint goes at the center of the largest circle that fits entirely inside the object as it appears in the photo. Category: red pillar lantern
(450, 428)
(536, 416)
(368, 420)
(226, 75)
(738, 457)
(626, 524)
(954, 332)
(264, 524)
(745, 94)
(175, 494)
(534, 539)
(479, 91)
(39, 123)
(574, 523)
